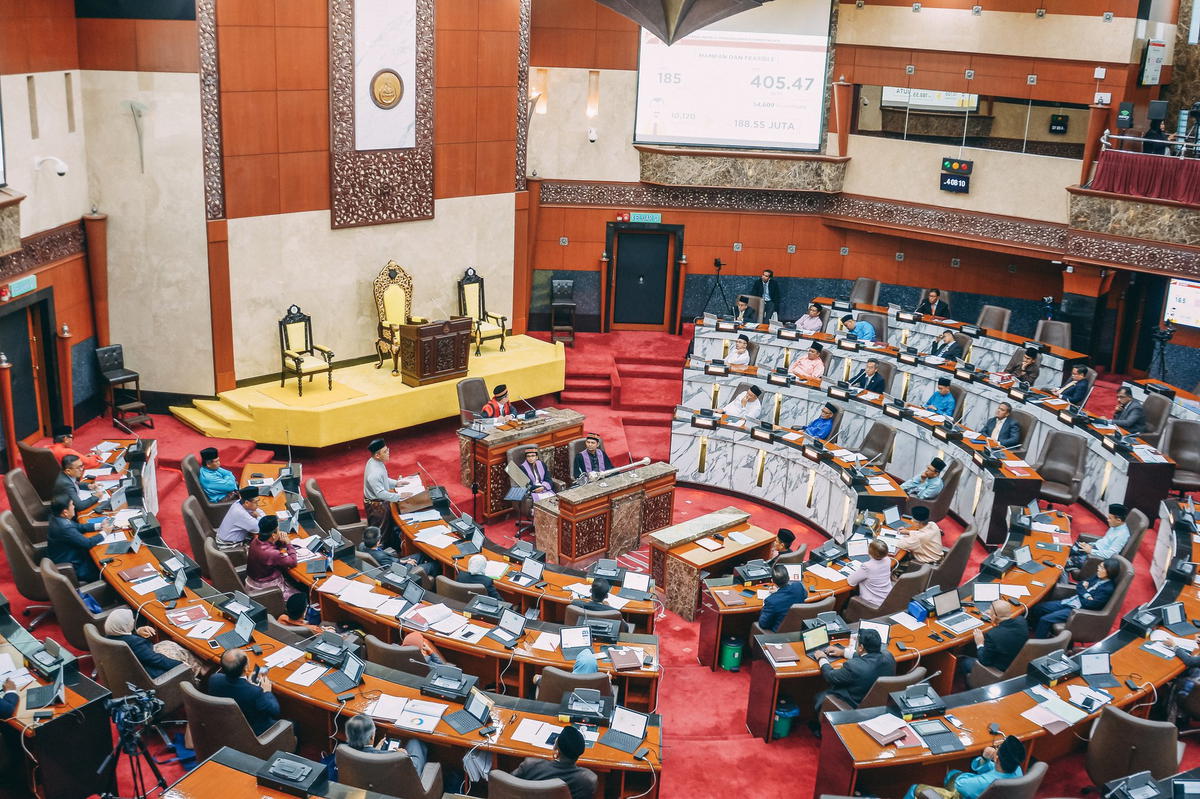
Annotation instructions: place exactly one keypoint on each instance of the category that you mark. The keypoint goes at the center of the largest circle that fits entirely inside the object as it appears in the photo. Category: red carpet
(626, 384)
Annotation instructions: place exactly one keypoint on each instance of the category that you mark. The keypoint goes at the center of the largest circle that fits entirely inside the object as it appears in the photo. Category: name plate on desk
(848, 344)
(764, 434)
(1066, 417)
(943, 433)
(910, 358)
(816, 454)
(777, 379)
(966, 373)
(894, 411)
(726, 326)
(908, 316)
(1035, 345)
(1016, 393)
(986, 460)
(704, 422)
(716, 369)
(974, 331)
(853, 478)
(839, 392)
(788, 334)
(843, 305)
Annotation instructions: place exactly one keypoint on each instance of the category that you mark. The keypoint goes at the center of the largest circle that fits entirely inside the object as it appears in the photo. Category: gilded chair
(393, 290)
(297, 352)
(471, 303)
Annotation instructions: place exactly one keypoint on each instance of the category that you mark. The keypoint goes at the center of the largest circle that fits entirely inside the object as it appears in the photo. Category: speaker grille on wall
(1158, 109)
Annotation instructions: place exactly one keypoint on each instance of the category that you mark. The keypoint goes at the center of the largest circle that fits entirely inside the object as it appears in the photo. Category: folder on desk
(137, 572)
(781, 653)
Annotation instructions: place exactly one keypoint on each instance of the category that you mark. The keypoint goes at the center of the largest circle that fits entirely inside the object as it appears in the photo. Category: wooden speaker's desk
(606, 518)
(482, 460)
(434, 351)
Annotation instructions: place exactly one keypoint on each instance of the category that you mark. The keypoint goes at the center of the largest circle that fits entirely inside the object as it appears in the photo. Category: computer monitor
(946, 603)
(1094, 663)
(636, 581)
(816, 638)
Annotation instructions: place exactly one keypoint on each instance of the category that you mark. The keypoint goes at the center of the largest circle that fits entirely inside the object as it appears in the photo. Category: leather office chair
(516, 456)
(752, 347)
(1033, 649)
(903, 589)
(215, 511)
(118, 668)
(797, 557)
(407, 659)
(562, 300)
(502, 785)
(393, 773)
(837, 423)
(993, 317)
(877, 696)
(472, 396)
(471, 303)
(69, 609)
(1023, 787)
(939, 506)
(1158, 413)
(1121, 744)
(945, 297)
(343, 517)
(216, 722)
(1091, 385)
(887, 369)
(41, 467)
(1025, 422)
(960, 400)
(755, 304)
(949, 573)
(225, 577)
(1137, 523)
(1055, 334)
(32, 515)
(574, 615)
(195, 523)
(290, 634)
(865, 291)
(556, 683)
(114, 376)
(793, 620)
(1086, 626)
(879, 322)
(1181, 442)
(826, 359)
(27, 576)
(1061, 467)
(965, 343)
(453, 589)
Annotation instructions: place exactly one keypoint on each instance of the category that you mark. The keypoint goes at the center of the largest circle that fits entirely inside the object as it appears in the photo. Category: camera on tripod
(131, 714)
(1163, 334)
(136, 709)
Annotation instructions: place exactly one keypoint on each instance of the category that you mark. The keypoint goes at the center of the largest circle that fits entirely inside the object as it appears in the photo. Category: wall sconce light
(593, 95)
(538, 90)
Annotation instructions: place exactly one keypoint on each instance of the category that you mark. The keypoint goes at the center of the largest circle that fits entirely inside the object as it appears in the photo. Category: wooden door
(640, 288)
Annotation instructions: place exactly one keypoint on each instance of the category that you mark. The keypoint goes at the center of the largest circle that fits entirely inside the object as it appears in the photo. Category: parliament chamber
(599, 398)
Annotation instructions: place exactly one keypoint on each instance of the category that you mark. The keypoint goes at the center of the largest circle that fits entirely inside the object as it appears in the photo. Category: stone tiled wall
(587, 298)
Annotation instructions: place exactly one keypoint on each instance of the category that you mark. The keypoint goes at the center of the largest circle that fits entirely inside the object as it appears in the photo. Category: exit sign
(22, 286)
(639, 216)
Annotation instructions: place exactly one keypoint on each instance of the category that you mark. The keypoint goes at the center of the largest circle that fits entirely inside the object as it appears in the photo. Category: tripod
(131, 745)
(717, 286)
(1159, 358)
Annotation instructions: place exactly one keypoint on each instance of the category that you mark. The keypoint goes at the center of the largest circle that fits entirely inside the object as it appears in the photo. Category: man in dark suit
(998, 647)
(771, 293)
(592, 459)
(600, 589)
(258, 703)
(742, 312)
(869, 378)
(1075, 390)
(567, 749)
(934, 305)
(66, 539)
(70, 483)
(10, 700)
(854, 679)
(946, 347)
(475, 575)
(1002, 427)
(1130, 414)
(787, 593)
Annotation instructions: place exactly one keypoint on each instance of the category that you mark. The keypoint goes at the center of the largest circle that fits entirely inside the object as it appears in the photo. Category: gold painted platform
(366, 401)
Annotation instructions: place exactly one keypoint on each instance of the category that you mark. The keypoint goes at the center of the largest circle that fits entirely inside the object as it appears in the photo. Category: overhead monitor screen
(928, 99)
(1183, 303)
(754, 80)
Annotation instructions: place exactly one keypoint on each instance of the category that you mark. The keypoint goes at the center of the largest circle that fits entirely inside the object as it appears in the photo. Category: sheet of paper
(436, 540)
(470, 633)
(546, 641)
(1041, 527)
(307, 674)
(204, 630)
(826, 573)
(1042, 717)
(427, 708)
(884, 725)
(21, 678)
(416, 721)
(282, 657)
(535, 733)
(333, 584)
(1064, 710)
(986, 592)
(907, 622)
(449, 625)
(614, 601)
(307, 543)
(429, 614)
(368, 600)
(114, 537)
(738, 537)
(6, 665)
(1013, 591)
(1078, 693)
(580, 589)
(122, 517)
(496, 569)
(388, 707)
(391, 607)
(416, 517)
(149, 586)
(711, 544)
(105, 447)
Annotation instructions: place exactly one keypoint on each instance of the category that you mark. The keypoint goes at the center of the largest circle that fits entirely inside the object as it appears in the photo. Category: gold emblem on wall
(387, 88)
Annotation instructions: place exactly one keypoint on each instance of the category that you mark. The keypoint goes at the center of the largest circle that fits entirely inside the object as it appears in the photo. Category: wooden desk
(483, 460)
(434, 351)
(317, 714)
(230, 775)
(607, 518)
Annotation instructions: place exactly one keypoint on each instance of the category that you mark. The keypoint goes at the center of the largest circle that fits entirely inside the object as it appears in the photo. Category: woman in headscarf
(585, 663)
(156, 658)
(428, 650)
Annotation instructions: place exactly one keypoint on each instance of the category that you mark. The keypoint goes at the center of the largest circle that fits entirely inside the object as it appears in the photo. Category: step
(587, 373)
(222, 412)
(652, 360)
(588, 383)
(141, 418)
(648, 418)
(200, 422)
(586, 397)
(130, 407)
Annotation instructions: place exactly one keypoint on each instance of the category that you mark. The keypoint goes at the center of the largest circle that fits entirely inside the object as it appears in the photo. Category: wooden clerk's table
(483, 460)
(230, 775)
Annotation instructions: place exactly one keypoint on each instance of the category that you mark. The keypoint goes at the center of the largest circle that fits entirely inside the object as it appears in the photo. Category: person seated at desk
(928, 484)
(257, 701)
(66, 541)
(998, 647)
(869, 378)
(742, 312)
(599, 600)
(241, 520)
(270, 554)
(822, 426)
(476, 566)
(295, 614)
(61, 447)
(70, 482)
(372, 545)
(862, 330)
(218, 483)
(782, 544)
(1024, 365)
(810, 366)
(811, 321)
(360, 736)
(924, 545)
(567, 749)
(1075, 390)
(746, 405)
(874, 575)
(994, 763)
(946, 347)
(538, 474)
(1002, 427)
(498, 406)
(429, 652)
(10, 700)
(854, 679)
(1090, 594)
(934, 305)
(771, 293)
(1109, 545)
(787, 593)
(740, 355)
(156, 658)
(1130, 415)
(592, 460)
(941, 400)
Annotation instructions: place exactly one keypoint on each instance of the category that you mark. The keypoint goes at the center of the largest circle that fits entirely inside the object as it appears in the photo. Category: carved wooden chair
(297, 352)
(393, 290)
(471, 303)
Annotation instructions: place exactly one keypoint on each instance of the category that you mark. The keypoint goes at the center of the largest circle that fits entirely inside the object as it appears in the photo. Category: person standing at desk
(786, 594)
(822, 426)
(66, 541)
(868, 378)
(941, 400)
(218, 483)
(946, 347)
(742, 312)
(862, 330)
(1130, 415)
(269, 555)
(995, 763)
(746, 405)
(567, 750)
(1002, 427)
(854, 679)
(1024, 365)
(476, 566)
(771, 293)
(1092, 593)
(379, 491)
(241, 520)
(811, 322)
(592, 460)
(1075, 390)
(498, 406)
(740, 356)
(257, 701)
(62, 446)
(70, 483)
(924, 545)
(929, 484)
(934, 305)
(999, 646)
(810, 367)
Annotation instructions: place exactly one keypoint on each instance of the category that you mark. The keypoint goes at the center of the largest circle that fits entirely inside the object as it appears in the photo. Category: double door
(26, 340)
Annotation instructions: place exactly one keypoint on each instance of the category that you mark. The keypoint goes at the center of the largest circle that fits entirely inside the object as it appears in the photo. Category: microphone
(926, 680)
(433, 482)
(527, 405)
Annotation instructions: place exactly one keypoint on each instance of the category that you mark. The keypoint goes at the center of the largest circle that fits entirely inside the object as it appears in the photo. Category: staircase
(219, 418)
(588, 388)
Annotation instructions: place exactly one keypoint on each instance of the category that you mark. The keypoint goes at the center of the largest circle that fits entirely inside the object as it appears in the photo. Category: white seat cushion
(487, 328)
(308, 363)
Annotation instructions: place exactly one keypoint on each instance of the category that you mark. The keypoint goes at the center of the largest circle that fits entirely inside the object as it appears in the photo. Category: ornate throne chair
(393, 289)
(471, 303)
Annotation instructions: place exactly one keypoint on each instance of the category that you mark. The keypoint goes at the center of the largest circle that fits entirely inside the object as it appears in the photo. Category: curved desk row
(852, 761)
(317, 715)
(1184, 404)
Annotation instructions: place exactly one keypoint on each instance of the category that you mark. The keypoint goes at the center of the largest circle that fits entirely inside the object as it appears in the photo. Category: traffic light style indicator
(957, 166)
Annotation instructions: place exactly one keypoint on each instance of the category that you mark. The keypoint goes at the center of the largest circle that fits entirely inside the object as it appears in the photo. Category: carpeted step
(642, 394)
(651, 370)
(648, 418)
(588, 397)
(588, 383)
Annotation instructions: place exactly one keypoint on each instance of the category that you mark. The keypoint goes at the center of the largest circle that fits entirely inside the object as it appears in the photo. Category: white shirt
(735, 358)
(377, 484)
(750, 410)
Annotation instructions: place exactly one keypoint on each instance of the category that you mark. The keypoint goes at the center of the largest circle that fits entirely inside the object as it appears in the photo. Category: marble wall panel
(785, 174)
(558, 129)
(1172, 224)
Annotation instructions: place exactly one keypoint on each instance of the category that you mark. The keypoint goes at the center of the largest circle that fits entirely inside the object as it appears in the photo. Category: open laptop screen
(1094, 663)
(532, 568)
(629, 722)
(946, 603)
(815, 638)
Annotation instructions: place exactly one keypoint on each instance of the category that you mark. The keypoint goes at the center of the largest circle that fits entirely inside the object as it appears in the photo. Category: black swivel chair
(130, 409)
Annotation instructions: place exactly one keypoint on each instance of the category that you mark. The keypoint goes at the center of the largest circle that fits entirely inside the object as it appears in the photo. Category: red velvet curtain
(1142, 175)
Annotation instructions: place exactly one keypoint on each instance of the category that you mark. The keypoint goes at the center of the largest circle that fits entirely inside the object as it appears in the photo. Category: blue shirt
(820, 428)
(217, 483)
(922, 487)
(775, 607)
(1112, 543)
(983, 773)
(941, 403)
(864, 331)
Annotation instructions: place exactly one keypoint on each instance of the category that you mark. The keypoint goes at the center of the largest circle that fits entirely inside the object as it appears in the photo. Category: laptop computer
(1096, 670)
(636, 586)
(892, 518)
(412, 595)
(472, 545)
(626, 730)
(509, 630)
(1175, 619)
(814, 639)
(1025, 562)
(46, 695)
(530, 574)
(240, 635)
(948, 609)
(937, 736)
(123, 547)
(575, 640)
(169, 593)
(345, 678)
(476, 712)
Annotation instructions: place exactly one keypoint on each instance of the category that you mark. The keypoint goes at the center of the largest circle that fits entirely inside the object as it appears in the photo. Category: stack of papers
(826, 572)
(712, 545)
(580, 589)
(421, 714)
(148, 586)
(436, 537)
(421, 516)
(907, 622)
(428, 615)
(307, 674)
(536, 733)
(738, 538)
(449, 625)
(361, 596)
(391, 607)
(333, 585)
(204, 630)
(387, 707)
(409, 485)
(282, 657)
(470, 633)
(546, 641)
(105, 447)
(496, 569)
(1013, 591)
(615, 601)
